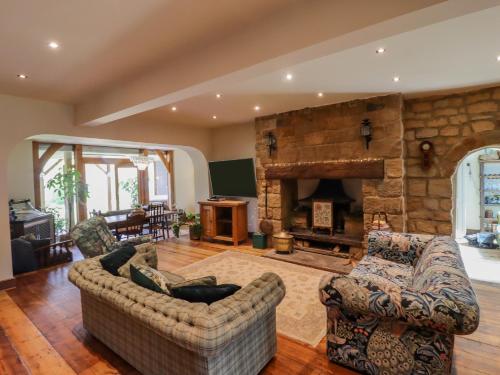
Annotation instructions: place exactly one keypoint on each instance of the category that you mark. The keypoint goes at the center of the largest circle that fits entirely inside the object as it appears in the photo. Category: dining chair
(158, 223)
(135, 224)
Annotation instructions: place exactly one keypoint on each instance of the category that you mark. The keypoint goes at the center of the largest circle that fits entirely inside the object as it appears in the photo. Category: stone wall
(333, 133)
(455, 124)
(415, 199)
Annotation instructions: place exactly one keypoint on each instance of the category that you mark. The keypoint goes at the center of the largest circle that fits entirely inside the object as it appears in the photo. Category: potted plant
(191, 220)
(69, 186)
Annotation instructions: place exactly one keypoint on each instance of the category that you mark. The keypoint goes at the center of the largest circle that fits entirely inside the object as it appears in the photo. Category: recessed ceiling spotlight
(289, 76)
(53, 45)
(395, 79)
(380, 50)
(22, 76)
(498, 58)
(174, 108)
(256, 108)
(214, 117)
(218, 96)
(320, 94)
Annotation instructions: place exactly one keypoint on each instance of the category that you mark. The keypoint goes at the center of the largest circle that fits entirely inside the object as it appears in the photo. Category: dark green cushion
(204, 293)
(114, 260)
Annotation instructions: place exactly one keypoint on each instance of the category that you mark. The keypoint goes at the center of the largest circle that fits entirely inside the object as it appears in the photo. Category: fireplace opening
(347, 201)
(346, 196)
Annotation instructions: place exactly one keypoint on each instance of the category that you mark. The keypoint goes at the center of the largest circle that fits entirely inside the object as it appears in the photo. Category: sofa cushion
(380, 271)
(113, 261)
(204, 293)
(106, 237)
(137, 259)
(145, 255)
(149, 278)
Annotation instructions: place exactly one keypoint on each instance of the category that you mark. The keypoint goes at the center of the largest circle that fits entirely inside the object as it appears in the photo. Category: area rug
(300, 315)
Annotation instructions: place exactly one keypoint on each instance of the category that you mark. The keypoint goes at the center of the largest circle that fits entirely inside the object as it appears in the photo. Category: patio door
(111, 186)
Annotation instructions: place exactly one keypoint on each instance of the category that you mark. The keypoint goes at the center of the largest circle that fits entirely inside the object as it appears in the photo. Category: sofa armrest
(432, 310)
(404, 248)
(202, 328)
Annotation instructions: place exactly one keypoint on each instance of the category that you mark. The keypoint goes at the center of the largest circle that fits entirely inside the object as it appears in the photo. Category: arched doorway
(476, 212)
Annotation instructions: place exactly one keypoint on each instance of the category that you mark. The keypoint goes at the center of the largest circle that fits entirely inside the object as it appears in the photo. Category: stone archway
(431, 197)
(458, 152)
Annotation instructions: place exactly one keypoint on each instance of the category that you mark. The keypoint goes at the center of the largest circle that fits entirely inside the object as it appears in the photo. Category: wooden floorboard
(51, 305)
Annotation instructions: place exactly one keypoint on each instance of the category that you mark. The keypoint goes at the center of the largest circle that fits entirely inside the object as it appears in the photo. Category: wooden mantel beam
(362, 168)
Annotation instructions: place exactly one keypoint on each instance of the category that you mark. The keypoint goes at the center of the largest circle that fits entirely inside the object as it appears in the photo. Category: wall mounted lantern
(366, 131)
(426, 148)
(271, 143)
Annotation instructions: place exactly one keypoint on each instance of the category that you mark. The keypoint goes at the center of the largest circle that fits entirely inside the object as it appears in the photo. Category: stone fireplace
(324, 143)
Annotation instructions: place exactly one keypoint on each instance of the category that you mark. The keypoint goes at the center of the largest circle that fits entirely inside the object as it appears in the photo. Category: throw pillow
(28, 237)
(106, 238)
(205, 293)
(113, 261)
(145, 255)
(137, 259)
(149, 278)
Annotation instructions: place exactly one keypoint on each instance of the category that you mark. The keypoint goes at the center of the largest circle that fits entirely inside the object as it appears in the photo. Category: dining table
(119, 221)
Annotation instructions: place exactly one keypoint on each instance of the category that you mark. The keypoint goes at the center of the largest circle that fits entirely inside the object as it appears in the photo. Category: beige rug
(300, 315)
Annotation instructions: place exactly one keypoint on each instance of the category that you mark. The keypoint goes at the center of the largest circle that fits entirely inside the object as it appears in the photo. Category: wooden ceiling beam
(335, 169)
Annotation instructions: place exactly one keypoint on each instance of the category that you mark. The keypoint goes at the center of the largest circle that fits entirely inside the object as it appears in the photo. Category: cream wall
(21, 118)
(184, 182)
(20, 172)
(237, 142)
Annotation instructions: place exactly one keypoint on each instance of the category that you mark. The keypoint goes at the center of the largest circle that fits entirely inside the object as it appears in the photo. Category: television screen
(233, 178)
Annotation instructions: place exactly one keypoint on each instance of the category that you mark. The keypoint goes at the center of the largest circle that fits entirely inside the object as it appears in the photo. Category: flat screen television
(233, 178)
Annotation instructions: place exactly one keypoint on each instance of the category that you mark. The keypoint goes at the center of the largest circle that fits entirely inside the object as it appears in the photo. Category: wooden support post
(80, 167)
(38, 164)
(143, 182)
(167, 158)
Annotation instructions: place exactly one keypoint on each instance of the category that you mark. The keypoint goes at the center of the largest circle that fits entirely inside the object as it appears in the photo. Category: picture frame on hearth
(322, 214)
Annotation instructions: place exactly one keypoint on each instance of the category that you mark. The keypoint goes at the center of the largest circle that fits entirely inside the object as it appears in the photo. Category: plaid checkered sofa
(397, 312)
(158, 334)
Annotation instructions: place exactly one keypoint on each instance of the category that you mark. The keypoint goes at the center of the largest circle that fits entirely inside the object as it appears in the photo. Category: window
(158, 181)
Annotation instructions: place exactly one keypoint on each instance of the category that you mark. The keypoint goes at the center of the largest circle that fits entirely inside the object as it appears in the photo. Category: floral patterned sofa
(397, 312)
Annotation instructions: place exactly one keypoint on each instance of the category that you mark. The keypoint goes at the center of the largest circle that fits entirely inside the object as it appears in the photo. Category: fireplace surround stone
(415, 199)
(322, 137)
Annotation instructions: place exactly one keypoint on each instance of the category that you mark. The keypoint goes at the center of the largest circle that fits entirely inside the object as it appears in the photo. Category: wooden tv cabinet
(224, 220)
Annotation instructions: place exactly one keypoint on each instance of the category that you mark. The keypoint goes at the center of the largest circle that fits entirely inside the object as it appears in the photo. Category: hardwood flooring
(41, 328)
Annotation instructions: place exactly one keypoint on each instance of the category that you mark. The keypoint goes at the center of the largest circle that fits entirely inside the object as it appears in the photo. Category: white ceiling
(457, 53)
(105, 41)
(105, 44)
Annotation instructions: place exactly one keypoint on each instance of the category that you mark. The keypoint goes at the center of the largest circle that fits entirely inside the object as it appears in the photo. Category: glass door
(128, 191)
(101, 181)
